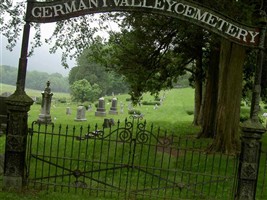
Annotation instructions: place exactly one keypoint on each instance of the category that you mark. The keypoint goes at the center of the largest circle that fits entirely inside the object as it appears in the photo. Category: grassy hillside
(30, 92)
(175, 113)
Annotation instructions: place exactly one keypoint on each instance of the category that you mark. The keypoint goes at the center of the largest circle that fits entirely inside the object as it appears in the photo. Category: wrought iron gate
(126, 162)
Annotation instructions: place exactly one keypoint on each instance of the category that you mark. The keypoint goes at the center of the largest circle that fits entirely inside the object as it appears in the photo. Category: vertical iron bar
(190, 167)
(178, 149)
(198, 165)
(107, 157)
(64, 154)
(147, 166)
(154, 165)
(218, 175)
(71, 155)
(168, 166)
(204, 173)
(43, 156)
(36, 154)
(93, 160)
(183, 167)
(29, 154)
(50, 157)
(86, 160)
(100, 153)
(57, 154)
(115, 162)
(212, 168)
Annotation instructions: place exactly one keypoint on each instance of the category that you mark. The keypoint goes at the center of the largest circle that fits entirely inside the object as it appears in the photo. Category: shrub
(38, 100)
(96, 105)
(152, 103)
(157, 99)
(189, 112)
(62, 100)
(134, 111)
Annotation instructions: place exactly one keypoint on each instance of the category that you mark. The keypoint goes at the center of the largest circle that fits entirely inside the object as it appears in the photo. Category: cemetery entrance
(127, 161)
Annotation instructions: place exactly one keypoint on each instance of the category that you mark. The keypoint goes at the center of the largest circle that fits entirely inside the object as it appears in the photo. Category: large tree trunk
(209, 107)
(229, 97)
(198, 86)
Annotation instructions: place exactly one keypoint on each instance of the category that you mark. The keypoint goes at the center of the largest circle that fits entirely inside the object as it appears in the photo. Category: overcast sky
(42, 60)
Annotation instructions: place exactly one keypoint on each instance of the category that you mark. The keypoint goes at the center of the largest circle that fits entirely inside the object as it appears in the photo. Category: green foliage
(189, 112)
(95, 73)
(134, 112)
(82, 91)
(38, 100)
(62, 100)
(150, 103)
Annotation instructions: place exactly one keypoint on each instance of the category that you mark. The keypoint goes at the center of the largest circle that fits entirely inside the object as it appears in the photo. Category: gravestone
(68, 111)
(121, 107)
(101, 111)
(3, 115)
(108, 123)
(113, 109)
(89, 108)
(80, 116)
(45, 116)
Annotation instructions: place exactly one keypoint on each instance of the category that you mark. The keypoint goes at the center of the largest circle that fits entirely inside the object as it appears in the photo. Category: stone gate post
(18, 105)
(249, 160)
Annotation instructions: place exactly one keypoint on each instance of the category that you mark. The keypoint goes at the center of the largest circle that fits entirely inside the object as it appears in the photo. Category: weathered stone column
(249, 160)
(101, 110)
(45, 116)
(18, 105)
(113, 109)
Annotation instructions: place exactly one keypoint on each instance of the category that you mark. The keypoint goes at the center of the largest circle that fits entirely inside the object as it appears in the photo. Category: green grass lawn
(175, 115)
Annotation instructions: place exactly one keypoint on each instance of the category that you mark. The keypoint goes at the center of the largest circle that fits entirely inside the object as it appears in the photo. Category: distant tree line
(35, 80)
(90, 80)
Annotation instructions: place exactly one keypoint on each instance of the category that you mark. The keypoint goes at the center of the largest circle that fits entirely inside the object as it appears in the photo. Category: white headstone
(80, 116)
(113, 108)
(45, 116)
(101, 111)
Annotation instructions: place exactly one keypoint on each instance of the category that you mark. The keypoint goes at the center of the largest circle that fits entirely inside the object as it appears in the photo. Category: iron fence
(127, 161)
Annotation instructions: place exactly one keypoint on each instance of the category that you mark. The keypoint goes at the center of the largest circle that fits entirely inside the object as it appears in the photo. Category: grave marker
(101, 111)
(80, 116)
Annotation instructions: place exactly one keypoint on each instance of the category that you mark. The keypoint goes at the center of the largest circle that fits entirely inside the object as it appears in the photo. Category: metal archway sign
(45, 12)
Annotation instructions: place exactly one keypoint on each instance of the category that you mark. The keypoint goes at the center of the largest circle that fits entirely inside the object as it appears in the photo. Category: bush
(96, 105)
(265, 106)
(62, 100)
(134, 111)
(189, 112)
(152, 103)
(157, 99)
(128, 99)
(38, 100)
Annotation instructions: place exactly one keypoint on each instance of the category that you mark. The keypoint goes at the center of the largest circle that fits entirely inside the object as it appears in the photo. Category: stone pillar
(249, 160)
(113, 109)
(101, 111)
(45, 116)
(18, 105)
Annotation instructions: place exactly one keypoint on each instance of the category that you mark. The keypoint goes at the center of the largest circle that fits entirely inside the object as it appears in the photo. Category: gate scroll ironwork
(127, 161)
